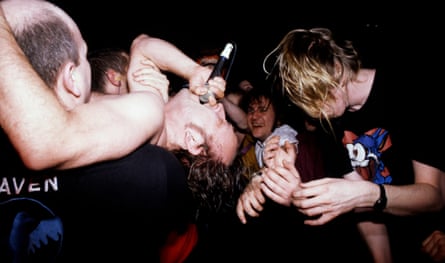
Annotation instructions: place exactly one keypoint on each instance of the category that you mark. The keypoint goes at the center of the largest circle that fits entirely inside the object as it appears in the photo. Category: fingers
(319, 220)
(275, 196)
(291, 149)
(251, 201)
(215, 91)
(240, 212)
(200, 85)
(148, 63)
(428, 244)
(248, 205)
(150, 77)
(217, 86)
(275, 155)
(280, 183)
(434, 246)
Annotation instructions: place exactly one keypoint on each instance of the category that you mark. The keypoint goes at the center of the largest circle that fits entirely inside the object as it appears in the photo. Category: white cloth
(286, 133)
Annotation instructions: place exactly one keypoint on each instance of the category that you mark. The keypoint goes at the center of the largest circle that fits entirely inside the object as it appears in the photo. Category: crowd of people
(104, 160)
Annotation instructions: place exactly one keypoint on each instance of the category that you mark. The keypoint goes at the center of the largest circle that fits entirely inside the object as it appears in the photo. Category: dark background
(212, 23)
(256, 27)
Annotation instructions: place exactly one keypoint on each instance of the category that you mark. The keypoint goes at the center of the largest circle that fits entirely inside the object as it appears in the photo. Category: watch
(380, 204)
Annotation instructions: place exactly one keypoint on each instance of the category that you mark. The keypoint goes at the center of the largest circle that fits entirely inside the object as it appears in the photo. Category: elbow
(35, 164)
(35, 160)
(438, 203)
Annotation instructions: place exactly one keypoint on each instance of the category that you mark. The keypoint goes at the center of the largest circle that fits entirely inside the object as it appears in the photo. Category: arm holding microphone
(217, 71)
(169, 58)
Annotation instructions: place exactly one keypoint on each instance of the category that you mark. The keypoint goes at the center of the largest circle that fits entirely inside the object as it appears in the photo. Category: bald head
(23, 13)
(18, 16)
(46, 34)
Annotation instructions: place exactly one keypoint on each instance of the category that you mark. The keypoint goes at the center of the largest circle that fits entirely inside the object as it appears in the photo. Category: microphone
(217, 70)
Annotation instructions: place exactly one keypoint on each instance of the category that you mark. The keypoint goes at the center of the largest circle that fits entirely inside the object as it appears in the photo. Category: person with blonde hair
(394, 174)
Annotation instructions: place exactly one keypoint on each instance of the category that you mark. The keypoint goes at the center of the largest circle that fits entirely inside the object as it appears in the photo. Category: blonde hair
(310, 64)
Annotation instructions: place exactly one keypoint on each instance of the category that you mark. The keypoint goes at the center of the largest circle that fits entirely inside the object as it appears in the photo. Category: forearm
(376, 237)
(401, 199)
(165, 55)
(235, 113)
(424, 195)
(25, 103)
(412, 199)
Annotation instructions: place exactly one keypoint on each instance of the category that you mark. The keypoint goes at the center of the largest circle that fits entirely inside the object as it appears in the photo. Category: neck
(161, 139)
(360, 88)
(168, 138)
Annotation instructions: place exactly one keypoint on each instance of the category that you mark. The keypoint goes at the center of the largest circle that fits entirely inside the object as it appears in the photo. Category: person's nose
(256, 114)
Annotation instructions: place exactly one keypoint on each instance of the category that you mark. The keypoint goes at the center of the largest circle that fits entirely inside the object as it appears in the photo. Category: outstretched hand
(325, 199)
(251, 200)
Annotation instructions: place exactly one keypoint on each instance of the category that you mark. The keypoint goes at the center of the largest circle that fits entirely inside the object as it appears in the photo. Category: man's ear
(69, 79)
(194, 141)
(114, 77)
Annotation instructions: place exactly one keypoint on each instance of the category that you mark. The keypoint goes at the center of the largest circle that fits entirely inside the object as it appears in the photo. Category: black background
(255, 27)
(377, 29)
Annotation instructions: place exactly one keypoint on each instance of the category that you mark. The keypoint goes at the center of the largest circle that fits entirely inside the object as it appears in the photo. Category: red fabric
(179, 246)
(309, 159)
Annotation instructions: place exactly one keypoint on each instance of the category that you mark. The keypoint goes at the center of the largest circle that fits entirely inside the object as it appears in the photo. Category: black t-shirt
(374, 136)
(383, 138)
(394, 127)
(116, 210)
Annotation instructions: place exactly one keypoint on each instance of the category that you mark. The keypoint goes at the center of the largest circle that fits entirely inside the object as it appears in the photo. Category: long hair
(215, 186)
(310, 64)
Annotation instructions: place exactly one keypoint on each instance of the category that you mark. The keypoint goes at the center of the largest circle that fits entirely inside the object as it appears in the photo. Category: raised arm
(25, 102)
(167, 57)
(46, 135)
